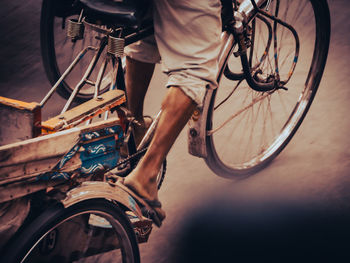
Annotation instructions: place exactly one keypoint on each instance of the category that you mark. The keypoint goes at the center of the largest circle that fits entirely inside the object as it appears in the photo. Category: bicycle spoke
(237, 114)
(254, 123)
(284, 107)
(224, 100)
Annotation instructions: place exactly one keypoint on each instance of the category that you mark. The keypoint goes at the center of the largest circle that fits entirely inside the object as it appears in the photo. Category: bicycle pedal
(142, 227)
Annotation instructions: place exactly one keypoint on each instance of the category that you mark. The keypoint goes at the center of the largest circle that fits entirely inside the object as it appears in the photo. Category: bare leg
(137, 78)
(177, 109)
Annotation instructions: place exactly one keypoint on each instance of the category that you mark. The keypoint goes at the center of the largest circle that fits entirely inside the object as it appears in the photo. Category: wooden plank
(85, 111)
(19, 120)
(21, 105)
(99, 125)
(32, 170)
(21, 189)
(40, 148)
(34, 156)
(27, 170)
(30, 158)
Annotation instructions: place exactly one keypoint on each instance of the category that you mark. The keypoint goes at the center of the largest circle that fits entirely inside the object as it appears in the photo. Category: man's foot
(151, 208)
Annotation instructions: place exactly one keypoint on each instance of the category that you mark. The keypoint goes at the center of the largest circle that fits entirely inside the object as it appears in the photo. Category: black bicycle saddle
(129, 13)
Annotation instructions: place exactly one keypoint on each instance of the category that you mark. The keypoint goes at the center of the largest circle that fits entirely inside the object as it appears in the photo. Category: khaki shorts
(187, 42)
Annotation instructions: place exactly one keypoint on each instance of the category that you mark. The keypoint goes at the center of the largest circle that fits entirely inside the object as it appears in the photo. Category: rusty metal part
(92, 190)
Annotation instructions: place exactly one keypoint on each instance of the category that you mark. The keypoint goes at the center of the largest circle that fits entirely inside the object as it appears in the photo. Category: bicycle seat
(128, 13)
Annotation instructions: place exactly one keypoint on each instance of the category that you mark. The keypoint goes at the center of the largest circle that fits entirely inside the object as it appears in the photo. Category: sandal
(149, 208)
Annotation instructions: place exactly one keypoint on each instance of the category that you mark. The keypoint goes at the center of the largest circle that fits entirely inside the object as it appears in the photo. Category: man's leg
(137, 78)
(188, 39)
(177, 108)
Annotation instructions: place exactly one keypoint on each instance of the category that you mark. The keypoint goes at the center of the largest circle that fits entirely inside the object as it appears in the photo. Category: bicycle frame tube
(248, 7)
(227, 44)
(68, 70)
(87, 74)
(150, 132)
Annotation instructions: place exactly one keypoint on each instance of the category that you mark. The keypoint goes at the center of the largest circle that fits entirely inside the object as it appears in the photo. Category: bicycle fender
(92, 190)
(197, 128)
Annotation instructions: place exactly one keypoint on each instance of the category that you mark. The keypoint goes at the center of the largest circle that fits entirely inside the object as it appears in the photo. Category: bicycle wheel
(247, 129)
(95, 230)
(58, 51)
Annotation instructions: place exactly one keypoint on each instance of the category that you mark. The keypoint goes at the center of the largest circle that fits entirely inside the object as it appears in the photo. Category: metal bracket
(197, 128)
(92, 190)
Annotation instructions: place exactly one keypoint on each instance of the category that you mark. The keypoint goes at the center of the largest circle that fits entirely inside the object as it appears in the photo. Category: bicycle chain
(129, 158)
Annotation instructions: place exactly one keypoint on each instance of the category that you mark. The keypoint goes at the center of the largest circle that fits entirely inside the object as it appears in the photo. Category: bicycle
(204, 135)
(264, 80)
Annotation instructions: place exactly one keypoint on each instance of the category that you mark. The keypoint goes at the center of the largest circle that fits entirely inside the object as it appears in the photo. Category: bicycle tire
(228, 149)
(49, 237)
(58, 51)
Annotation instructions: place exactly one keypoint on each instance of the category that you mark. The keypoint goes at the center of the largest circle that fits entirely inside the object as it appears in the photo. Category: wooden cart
(60, 159)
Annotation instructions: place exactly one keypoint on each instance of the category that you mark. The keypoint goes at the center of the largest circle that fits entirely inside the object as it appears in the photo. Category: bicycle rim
(90, 231)
(258, 125)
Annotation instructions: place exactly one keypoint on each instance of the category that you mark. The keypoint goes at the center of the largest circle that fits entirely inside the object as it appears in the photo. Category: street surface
(313, 169)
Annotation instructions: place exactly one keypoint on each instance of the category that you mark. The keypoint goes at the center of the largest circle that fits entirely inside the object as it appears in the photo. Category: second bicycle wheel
(90, 231)
(58, 51)
(246, 129)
